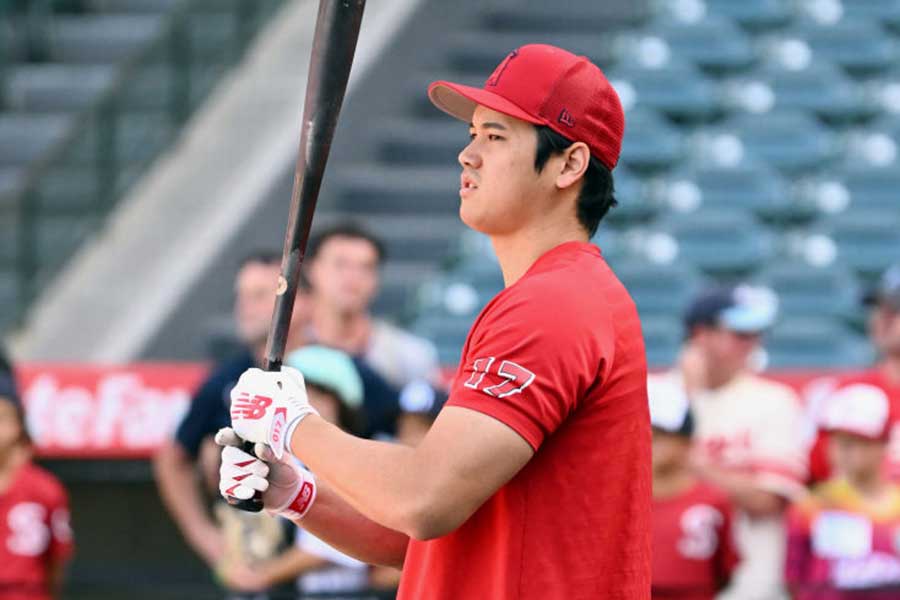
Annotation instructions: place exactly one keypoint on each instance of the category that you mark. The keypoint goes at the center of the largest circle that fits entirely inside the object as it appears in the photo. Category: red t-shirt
(819, 466)
(559, 358)
(693, 545)
(34, 533)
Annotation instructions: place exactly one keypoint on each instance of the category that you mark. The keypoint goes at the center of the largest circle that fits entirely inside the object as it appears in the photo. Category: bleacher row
(761, 145)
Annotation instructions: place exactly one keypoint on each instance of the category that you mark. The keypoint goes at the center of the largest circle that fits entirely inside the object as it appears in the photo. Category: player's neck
(10, 460)
(672, 482)
(516, 252)
(890, 368)
(873, 487)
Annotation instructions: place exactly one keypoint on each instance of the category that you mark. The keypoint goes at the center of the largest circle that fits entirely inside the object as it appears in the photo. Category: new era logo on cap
(546, 85)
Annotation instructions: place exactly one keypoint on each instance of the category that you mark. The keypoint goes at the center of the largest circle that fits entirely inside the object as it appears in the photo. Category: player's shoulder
(40, 482)
(771, 393)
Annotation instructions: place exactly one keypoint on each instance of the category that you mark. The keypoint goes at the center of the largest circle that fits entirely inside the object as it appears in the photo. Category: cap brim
(459, 101)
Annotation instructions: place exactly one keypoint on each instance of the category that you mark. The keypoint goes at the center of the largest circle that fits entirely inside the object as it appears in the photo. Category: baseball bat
(334, 43)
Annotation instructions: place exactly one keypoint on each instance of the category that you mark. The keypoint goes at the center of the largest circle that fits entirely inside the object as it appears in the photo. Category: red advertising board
(91, 411)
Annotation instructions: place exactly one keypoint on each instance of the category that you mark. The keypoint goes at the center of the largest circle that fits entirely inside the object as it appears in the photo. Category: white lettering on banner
(28, 531)
(875, 570)
(119, 412)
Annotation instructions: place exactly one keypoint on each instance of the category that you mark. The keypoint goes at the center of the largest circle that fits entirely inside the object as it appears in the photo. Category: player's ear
(576, 159)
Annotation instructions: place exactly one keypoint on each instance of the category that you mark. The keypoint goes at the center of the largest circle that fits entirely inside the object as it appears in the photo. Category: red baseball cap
(546, 85)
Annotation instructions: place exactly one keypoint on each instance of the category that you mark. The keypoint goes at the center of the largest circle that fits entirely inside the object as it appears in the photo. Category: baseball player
(694, 555)
(842, 538)
(534, 481)
(35, 537)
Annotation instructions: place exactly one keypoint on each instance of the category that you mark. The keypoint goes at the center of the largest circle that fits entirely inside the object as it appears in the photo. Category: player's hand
(267, 406)
(287, 488)
(241, 578)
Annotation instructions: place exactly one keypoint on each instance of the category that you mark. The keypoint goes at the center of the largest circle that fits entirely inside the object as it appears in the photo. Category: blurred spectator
(884, 332)
(34, 512)
(344, 264)
(420, 403)
(335, 390)
(747, 439)
(5, 364)
(693, 548)
(842, 539)
(176, 461)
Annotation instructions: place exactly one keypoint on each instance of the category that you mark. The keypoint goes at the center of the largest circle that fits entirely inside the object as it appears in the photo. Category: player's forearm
(181, 497)
(388, 483)
(334, 521)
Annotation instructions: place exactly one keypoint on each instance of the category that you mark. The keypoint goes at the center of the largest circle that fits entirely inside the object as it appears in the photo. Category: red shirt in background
(693, 547)
(819, 467)
(841, 549)
(34, 533)
(559, 358)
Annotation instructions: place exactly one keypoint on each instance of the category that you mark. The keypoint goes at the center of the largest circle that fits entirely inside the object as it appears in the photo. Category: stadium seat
(100, 39)
(55, 88)
(821, 343)
(788, 140)
(634, 205)
(857, 45)
(421, 142)
(477, 54)
(24, 138)
(747, 186)
(752, 15)
(9, 297)
(680, 92)
(866, 240)
(447, 332)
(539, 17)
(860, 187)
(805, 290)
(650, 142)
(662, 340)
(724, 243)
(659, 289)
(376, 189)
(819, 88)
(886, 12)
(713, 44)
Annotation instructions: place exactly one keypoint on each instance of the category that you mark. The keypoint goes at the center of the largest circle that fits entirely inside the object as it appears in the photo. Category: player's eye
(471, 135)
(494, 137)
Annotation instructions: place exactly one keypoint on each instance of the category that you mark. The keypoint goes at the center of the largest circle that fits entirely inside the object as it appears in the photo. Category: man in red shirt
(534, 481)
(884, 332)
(694, 555)
(35, 538)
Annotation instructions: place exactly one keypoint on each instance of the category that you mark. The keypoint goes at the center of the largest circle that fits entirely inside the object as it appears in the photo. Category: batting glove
(266, 407)
(287, 489)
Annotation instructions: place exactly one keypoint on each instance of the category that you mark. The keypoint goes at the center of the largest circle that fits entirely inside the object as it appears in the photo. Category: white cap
(861, 409)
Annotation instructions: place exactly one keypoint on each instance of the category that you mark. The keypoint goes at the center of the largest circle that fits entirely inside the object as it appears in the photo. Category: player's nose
(469, 157)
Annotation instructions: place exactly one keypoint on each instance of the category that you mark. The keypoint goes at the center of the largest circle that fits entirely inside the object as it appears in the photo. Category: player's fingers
(227, 437)
(264, 452)
(237, 462)
(239, 491)
(255, 482)
(295, 376)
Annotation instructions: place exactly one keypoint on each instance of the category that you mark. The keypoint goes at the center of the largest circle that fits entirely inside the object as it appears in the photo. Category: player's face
(855, 456)
(884, 328)
(345, 274)
(670, 451)
(255, 301)
(500, 190)
(728, 349)
(10, 427)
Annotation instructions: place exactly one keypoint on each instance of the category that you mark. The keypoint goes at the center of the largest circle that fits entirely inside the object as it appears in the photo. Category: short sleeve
(529, 365)
(61, 538)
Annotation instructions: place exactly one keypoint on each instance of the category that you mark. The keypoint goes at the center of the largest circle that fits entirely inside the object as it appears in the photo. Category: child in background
(844, 538)
(35, 536)
(693, 551)
(420, 403)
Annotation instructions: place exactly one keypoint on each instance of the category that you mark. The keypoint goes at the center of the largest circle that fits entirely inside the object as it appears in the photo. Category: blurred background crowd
(146, 159)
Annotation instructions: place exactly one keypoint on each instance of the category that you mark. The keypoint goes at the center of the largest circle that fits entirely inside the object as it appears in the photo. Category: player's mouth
(466, 185)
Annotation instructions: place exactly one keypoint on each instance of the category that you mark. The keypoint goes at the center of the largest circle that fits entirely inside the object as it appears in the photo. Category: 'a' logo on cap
(566, 118)
(494, 79)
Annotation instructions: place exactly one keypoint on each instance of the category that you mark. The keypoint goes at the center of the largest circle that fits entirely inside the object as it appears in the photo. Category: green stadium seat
(857, 187)
(713, 44)
(678, 91)
(9, 298)
(477, 54)
(820, 88)
(540, 17)
(100, 39)
(421, 142)
(55, 88)
(24, 138)
(751, 187)
(805, 290)
(650, 142)
(634, 205)
(790, 141)
(816, 343)
(414, 190)
(866, 240)
(886, 12)
(725, 243)
(662, 340)
(659, 289)
(132, 6)
(858, 45)
(447, 332)
(752, 15)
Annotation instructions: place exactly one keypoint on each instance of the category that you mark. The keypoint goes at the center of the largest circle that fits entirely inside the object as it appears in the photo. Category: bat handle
(254, 504)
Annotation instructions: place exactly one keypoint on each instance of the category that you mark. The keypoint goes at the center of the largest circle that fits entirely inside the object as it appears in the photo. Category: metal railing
(68, 193)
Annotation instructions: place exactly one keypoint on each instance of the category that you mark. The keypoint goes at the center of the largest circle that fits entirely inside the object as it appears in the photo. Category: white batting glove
(267, 406)
(287, 488)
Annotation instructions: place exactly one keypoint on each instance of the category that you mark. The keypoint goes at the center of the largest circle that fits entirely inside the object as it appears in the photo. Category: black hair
(262, 257)
(347, 230)
(597, 194)
(350, 419)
